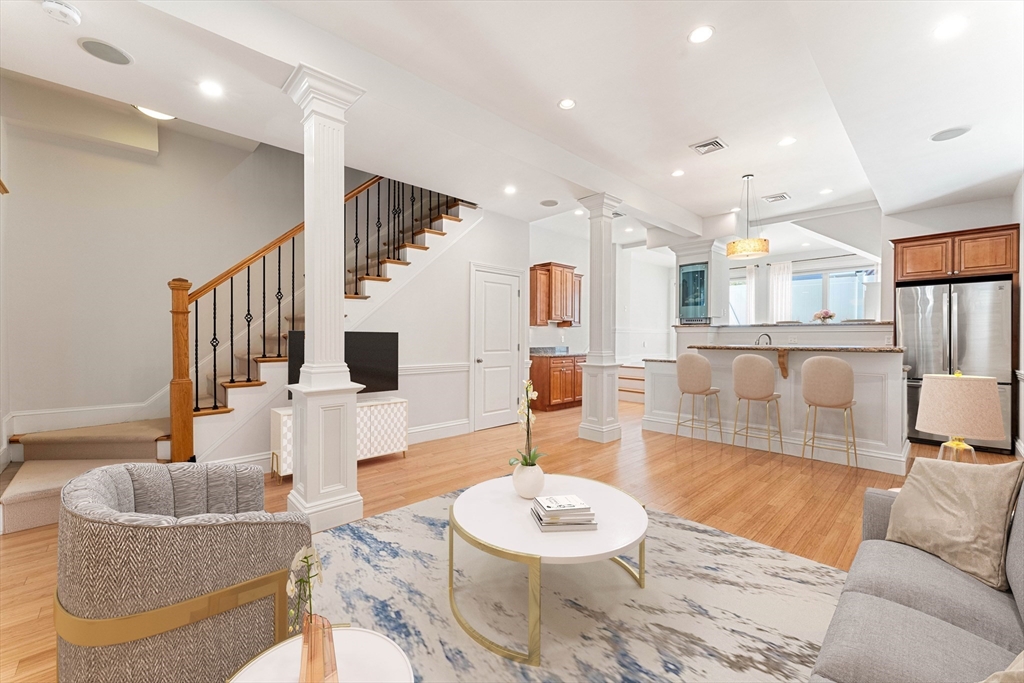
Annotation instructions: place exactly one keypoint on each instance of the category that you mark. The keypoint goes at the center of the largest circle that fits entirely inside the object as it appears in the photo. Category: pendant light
(748, 247)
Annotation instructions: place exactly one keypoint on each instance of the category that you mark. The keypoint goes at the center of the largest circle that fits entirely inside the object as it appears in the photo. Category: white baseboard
(441, 430)
(867, 458)
(1018, 449)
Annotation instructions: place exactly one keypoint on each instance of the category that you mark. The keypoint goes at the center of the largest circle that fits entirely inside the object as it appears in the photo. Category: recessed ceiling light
(735, 209)
(211, 88)
(786, 141)
(806, 244)
(826, 191)
(105, 51)
(676, 173)
(549, 202)
(578, 212)
(629, 229)
(566, 103)
(63, 12)
(949, 134)
(950, 27)
(153, 113)
(700, 34)
(510, 189)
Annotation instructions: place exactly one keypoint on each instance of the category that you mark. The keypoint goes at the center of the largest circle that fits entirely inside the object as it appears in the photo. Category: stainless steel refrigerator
(950, 327)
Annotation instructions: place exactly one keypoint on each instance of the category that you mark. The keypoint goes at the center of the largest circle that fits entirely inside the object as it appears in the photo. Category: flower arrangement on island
(317, 661)
(824, 315)
(527, 478)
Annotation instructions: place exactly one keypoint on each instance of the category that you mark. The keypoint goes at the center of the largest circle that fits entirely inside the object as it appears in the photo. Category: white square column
(601, 371)
(324, 403)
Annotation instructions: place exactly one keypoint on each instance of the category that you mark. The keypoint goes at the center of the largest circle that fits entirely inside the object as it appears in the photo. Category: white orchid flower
(290, 587)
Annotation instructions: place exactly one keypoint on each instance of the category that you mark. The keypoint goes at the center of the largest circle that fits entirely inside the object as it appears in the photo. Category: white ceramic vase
(528, 481)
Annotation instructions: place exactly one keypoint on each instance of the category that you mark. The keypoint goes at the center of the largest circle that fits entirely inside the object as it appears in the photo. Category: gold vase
(318, 664)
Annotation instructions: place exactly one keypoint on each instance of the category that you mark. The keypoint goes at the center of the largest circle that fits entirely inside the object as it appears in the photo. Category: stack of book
(562, 513)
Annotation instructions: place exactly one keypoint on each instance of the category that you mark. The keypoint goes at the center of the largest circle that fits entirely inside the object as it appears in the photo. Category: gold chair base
(745, 432)
(693, 422)
(849, 433)
(118, 630)
(532, 562)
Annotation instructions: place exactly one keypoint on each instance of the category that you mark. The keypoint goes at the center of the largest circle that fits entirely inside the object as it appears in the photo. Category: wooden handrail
(260, 253)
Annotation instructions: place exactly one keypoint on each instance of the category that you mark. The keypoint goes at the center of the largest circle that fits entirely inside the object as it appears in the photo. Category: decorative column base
(324, 477)
(600, 401)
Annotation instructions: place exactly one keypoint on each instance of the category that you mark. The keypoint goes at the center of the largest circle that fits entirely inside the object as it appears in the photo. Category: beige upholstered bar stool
(693, 373)
(827, 382)
(753, 379)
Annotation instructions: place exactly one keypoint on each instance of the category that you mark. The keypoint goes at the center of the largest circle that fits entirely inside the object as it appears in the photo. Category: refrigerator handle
(945, 330)
(954, 336)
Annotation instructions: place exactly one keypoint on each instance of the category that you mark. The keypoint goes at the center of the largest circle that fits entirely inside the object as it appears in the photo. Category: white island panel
(879, 389)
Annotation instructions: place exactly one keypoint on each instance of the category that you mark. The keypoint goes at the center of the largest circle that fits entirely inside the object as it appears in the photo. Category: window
(842, 292)
(807, 295)
(738, 301)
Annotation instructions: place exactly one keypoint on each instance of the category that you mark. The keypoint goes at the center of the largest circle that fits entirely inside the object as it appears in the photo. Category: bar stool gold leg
(814, 430)
(807, 423)
(693, 413)
(719, 404)
(746, 429)
(705, 417)
(846, 435)
(853, 432)
(778, 419)
(679, 414)
(736, 421)
(768, 415)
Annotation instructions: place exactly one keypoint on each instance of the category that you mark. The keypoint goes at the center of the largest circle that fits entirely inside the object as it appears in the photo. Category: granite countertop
(842, 349)
(837, 324)
(552, 351)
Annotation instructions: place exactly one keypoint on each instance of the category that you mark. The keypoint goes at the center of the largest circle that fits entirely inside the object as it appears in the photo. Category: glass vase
(318, 663)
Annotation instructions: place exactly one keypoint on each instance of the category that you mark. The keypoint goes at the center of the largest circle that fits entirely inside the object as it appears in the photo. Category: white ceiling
(461, 97)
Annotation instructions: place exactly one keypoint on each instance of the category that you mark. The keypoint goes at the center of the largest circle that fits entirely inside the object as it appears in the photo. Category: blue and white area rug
(716, 607)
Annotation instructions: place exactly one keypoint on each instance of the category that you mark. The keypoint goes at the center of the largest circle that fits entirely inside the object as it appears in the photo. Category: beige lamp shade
(965, 406)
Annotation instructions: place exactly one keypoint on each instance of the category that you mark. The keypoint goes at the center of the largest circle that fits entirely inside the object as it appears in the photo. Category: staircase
(230, 334)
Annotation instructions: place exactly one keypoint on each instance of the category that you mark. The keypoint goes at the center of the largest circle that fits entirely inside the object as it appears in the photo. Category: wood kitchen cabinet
(985, 251)
(558, 381)
(555, 295)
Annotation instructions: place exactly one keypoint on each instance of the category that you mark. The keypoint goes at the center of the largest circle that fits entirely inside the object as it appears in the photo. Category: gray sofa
(905, 615)
(169, 572)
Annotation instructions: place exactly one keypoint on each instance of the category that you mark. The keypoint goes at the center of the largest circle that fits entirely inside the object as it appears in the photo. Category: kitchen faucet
(765, 334)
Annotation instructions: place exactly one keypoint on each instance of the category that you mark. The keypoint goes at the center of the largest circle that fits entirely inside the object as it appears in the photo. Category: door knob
(479, 360)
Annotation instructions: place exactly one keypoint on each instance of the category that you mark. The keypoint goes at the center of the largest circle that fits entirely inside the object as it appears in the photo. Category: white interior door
(496, 364)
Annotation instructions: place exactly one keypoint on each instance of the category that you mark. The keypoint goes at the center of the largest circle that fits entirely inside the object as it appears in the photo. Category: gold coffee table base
(532, 562)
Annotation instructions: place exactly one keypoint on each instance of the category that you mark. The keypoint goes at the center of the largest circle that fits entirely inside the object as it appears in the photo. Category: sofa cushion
(921, 581)
(189, 482)
(873, 639)
(959, 512)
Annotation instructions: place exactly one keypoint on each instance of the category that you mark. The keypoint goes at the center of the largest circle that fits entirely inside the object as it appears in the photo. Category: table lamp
(963, 406)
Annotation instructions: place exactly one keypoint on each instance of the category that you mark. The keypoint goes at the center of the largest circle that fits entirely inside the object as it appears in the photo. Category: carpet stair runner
(52, 459)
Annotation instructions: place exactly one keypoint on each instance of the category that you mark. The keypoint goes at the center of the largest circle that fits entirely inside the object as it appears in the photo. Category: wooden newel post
(181, 383)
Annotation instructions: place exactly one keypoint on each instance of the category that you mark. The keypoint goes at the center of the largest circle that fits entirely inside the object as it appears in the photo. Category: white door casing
(495, 343)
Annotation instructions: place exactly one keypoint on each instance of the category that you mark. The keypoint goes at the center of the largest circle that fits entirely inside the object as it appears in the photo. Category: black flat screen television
(372, 358)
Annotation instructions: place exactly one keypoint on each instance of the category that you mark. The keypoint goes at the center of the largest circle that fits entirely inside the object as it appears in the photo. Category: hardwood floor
(808, 508)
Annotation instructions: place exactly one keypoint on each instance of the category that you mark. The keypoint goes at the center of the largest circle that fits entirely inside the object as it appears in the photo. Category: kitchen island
(879, 389)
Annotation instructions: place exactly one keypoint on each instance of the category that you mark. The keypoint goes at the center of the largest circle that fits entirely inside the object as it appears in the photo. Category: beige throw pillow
(959, 512)
(1013, 673)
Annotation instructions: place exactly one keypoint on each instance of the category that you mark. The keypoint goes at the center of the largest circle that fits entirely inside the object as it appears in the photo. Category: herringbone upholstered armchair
(169, 572)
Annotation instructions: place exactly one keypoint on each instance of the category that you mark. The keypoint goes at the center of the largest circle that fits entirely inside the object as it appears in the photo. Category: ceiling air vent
(708, 146)
(616, 214)
(780, 197)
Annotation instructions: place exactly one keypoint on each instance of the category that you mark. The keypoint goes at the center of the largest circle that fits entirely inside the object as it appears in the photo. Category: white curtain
(780, 292)
(751, 294)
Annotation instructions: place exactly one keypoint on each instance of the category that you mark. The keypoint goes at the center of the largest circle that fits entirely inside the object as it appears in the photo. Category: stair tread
(374, 278)
(209, 410)
(445, 217)
(428, 231)
(394, 262)
(409, 245)
(271, 359)
(240, 383)
(361, 297)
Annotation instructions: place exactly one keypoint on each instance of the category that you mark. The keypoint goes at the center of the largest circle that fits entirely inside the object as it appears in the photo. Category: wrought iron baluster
(231, 334)
(264, 335)
(279, 296)
(196, 409)
(387, 212)
(399, 234)
(366, 213)
(355, 261)
(421, 207)
(412, 210)
(389, 245)
(214, 342)
(248, 326)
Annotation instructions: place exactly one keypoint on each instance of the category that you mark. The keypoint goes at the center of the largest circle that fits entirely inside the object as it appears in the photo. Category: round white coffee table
(493, 518)
(363, 657)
